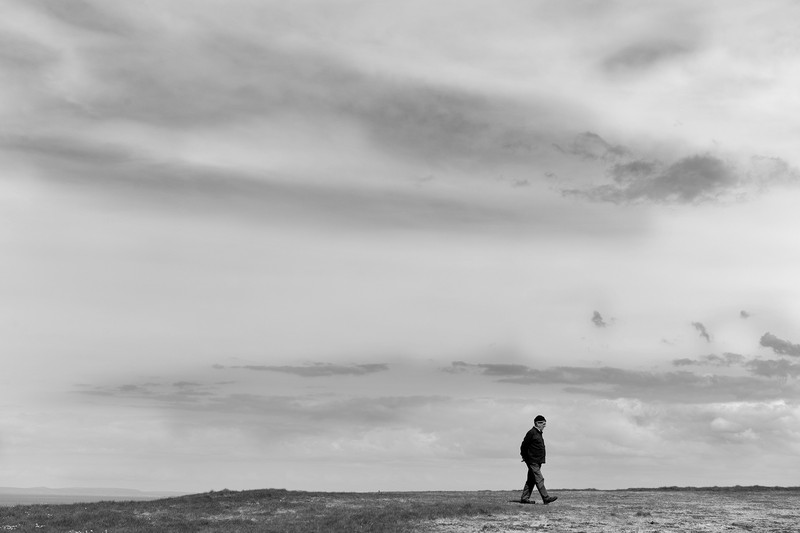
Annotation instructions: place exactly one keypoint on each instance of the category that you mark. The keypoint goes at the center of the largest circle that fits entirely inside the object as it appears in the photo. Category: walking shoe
(526, 501)
(550, 499)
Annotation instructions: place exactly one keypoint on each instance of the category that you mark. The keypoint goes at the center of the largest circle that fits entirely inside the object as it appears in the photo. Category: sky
(359, 246)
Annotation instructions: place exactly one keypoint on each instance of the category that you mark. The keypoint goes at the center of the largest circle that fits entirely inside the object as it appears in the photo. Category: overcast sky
(360, 245)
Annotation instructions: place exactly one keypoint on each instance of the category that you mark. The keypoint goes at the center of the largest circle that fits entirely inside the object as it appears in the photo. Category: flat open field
(642, 511)
(275, 510)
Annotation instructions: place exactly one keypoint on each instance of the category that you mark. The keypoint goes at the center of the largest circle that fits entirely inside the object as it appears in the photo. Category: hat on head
(539, 418)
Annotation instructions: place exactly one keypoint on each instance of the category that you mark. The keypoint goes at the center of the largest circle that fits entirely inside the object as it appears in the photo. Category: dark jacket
(532, 448)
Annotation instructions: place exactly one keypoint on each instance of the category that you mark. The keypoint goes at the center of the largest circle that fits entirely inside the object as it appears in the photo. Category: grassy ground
(280, 511)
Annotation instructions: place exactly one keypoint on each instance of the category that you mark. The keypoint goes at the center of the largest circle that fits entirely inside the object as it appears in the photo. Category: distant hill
(735, 488)
(65, 495)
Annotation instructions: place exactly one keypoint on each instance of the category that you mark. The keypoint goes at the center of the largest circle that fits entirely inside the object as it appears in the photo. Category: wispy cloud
(637, 57)
(85, 15)
(694, 179)
(691, 179)
(772, 368)
(726, 359)
(779, 346)
(179, 392)
(210, 401)
(591, 146)
(701, 329)
(611, 382)
(251, 82)
(320, 369)
(144, 73)
(597, 320)
(130, 177)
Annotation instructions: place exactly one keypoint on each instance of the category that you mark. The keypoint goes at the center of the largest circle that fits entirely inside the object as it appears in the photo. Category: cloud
(489, 369)
(261, 65)
(691, 179)
(768, 171)
(768, 368)
(702, 330)
(381, 410)
(589, 145)
(628, 173)
(214, 76)
(292, 104)
(771, 368)
(645, 55)
(179, 392)
(134, 178)
(113, 170)
(611, 382)
(726, 359)
(24, 56)
(85, 15)
(597, 320)
(294, 412)
(321, 369)
(457, 367)
(779, 346)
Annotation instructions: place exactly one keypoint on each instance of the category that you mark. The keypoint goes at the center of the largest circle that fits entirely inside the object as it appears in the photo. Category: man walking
(533, 454)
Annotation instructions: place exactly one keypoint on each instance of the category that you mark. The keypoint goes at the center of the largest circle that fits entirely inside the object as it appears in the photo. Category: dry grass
(641, 511)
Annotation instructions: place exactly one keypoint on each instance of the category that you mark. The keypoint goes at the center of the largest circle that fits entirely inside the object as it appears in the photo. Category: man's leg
(529, 484)
(535, 474)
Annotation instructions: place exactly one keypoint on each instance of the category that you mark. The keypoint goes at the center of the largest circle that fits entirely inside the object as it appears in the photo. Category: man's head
(540, 422)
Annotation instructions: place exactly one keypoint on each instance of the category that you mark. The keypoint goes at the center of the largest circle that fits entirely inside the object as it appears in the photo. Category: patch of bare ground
(661, 511)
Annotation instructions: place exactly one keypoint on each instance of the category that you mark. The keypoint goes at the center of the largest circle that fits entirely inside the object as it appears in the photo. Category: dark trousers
(535, 479)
